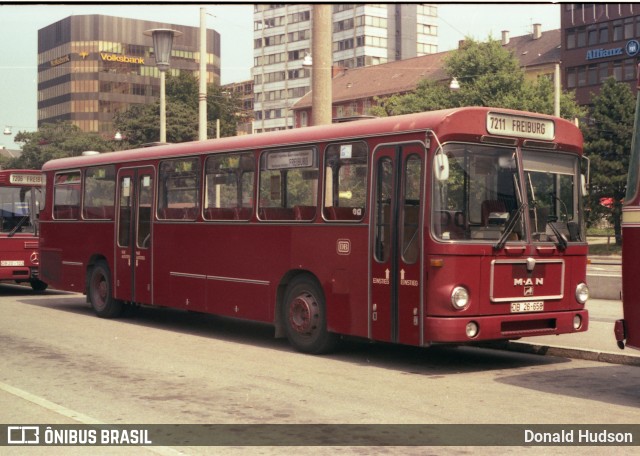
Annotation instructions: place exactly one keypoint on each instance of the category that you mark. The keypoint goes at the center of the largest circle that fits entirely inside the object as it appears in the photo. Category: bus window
(383, 209)
(229, 187)
(411, 212)
(126, 202)
(288, 185)
(552, 195)
(178, 189)
(99, 192)
(145, 200)
(66, 199)
(481, 194)
(345, 182)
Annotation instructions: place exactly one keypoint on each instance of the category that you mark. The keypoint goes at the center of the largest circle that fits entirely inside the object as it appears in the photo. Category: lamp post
(162, 43)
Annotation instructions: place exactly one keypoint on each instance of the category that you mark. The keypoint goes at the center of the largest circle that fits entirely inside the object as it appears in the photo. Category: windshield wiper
(510, 226)
(562, 239)
(18, 225)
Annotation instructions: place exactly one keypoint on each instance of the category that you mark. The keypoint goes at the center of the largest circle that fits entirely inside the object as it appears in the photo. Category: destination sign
(520, 126)
(26, 179)
(290, 159)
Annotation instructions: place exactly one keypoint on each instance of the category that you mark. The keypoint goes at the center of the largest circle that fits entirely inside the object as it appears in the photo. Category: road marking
(77, 416)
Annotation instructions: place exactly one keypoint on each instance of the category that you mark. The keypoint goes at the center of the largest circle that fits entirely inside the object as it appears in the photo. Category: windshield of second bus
(15, 212)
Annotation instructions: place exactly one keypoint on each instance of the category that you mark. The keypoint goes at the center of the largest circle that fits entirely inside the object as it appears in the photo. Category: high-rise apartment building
(363, 35)
(92, 66)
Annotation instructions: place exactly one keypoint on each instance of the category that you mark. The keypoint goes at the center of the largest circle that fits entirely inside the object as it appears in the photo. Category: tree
(608, 144)
(55, 140)
(140, 124)
(489, 75)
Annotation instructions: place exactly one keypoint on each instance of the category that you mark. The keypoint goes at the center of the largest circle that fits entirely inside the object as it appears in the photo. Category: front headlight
(582, 293)
(459, 298)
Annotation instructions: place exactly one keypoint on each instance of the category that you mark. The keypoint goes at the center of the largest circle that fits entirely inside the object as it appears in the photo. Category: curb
(565, 352)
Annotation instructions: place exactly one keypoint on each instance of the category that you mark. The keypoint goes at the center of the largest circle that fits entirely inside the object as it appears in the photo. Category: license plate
(11, 263)
(520, 307)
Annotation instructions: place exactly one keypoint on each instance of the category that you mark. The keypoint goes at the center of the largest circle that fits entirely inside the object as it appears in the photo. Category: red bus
(451, 226)
(628, 329)
(21, 199)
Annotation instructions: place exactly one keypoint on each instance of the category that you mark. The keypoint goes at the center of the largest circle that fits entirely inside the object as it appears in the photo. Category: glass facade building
(93, 66)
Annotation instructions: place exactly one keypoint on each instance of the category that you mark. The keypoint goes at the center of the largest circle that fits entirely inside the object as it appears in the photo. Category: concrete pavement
(598, 343)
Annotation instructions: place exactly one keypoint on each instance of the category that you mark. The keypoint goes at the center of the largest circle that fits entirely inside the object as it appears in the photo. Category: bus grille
(525, 327)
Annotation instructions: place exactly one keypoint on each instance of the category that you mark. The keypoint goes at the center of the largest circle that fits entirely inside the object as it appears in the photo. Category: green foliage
(608, 144)
(55, 140)
(489, 75)
(140, 124)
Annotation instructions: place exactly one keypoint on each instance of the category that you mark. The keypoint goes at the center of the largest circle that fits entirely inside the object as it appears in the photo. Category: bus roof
(466, 122)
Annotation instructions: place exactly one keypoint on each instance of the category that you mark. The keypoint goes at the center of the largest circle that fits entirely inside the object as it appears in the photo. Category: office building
(599, 40)
(363, 35)
(93, 66)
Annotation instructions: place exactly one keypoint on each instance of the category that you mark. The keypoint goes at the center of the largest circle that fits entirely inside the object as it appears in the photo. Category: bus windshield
(15, 209)
(552, 195)
(485, 200)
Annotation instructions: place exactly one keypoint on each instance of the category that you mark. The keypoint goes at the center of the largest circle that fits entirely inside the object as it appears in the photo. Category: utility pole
(202, 92)
(321, 96)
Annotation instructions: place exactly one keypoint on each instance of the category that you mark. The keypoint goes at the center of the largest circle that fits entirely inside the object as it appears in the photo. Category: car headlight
(582, 293)
(459, 298)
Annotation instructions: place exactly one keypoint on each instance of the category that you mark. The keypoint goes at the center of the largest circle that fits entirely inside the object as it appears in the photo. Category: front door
(133, 265)
(396, 281)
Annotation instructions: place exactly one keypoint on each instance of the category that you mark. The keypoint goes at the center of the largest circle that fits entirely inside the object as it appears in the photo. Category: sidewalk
(598, 343)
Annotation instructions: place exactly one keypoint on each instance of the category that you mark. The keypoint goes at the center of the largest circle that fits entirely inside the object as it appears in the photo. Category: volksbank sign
(121, 58)
(632, 48)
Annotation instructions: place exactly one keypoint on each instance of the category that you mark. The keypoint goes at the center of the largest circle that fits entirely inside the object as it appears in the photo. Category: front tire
(100, 293)
(38, 285)
(305, 317)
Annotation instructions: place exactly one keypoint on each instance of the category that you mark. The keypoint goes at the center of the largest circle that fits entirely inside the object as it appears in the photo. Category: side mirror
(441, 167)
(583, 185)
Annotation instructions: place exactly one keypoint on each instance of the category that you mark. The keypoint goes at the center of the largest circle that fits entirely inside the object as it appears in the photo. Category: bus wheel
(38, 285)
(100, 293)
(305, 317)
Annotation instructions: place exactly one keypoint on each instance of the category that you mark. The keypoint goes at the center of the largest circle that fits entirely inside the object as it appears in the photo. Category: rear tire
(305, 317)
(101, 294)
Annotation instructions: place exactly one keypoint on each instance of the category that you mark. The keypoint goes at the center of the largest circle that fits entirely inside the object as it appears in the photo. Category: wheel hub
(302, 314)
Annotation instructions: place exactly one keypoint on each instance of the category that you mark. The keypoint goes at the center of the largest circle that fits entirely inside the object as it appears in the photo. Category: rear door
(133, 265)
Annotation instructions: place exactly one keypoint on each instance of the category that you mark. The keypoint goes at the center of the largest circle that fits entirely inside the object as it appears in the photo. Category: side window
(384, 193)
(411, 209)
(66, 196)
(228, 193)
(99, 192)
(178, 189)
(288, 185)
(345, 185)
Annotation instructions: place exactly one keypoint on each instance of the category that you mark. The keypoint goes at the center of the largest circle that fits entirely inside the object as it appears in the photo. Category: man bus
(453, 226)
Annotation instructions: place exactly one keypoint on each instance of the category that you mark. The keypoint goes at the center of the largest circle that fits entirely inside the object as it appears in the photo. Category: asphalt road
(61, 364)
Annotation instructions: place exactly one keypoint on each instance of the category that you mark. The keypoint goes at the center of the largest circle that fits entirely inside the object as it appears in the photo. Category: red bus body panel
(627, 330)
(240, 269)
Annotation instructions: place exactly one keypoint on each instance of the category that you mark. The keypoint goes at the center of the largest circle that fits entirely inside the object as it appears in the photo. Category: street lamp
(7, 130)
(455, 85)
(162, 43)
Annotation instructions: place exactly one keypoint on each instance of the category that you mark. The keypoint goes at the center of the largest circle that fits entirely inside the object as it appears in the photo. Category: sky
(19, 25)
